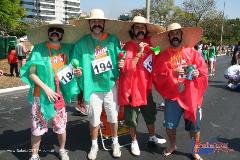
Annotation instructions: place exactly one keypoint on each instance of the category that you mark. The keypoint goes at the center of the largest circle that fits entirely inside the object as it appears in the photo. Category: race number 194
(102, 65)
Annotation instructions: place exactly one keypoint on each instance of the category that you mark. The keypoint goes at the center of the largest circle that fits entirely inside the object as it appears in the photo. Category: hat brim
(40, 34)
(151, 28)
(191, 36)
(111, 26)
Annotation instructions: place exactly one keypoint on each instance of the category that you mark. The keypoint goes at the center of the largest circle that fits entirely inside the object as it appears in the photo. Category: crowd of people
(88, 59)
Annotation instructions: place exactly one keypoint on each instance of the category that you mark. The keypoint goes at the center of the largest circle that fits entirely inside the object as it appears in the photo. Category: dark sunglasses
(60, 30)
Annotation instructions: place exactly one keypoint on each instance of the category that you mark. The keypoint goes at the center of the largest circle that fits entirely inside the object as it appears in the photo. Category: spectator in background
(212, 59)
(21, 52)
(205, 53)
(13, 61)
(235, 53)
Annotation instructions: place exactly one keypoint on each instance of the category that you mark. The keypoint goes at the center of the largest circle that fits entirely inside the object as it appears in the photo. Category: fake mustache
(97, 26)
(55, 34)
(175, 39)
(140, 33)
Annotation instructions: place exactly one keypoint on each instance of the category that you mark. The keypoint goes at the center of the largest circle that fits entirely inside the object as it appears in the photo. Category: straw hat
(191, 36)
(40, 34)
(151, 28)
(111, 26)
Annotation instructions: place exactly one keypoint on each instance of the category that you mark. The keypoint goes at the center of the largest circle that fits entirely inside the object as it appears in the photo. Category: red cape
(134, 83)
(166, 82)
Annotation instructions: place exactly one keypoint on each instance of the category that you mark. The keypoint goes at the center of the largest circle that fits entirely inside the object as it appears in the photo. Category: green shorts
(148, 111)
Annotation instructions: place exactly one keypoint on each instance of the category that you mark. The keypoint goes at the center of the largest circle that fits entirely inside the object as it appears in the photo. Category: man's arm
(52, 96)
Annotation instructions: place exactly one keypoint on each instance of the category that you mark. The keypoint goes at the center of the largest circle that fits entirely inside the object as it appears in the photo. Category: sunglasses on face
(59, 30)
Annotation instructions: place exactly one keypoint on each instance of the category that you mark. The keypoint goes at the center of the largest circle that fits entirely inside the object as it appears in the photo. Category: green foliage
(139, 12)
(160, 9)
(10, 14)
(198, 9)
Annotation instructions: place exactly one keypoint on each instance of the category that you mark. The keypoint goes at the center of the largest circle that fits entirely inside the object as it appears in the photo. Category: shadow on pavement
(18, 142)
(232, 143)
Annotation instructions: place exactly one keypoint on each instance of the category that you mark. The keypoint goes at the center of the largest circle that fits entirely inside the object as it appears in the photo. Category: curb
(7, 90)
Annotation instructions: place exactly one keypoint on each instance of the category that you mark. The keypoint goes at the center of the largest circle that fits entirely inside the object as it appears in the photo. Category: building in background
(47, 10)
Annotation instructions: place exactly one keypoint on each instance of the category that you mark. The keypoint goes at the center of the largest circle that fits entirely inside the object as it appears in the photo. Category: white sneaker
(63, 154)
(93, 153)
(157, 140)
(232, 86)
(135, 149)
(35, 158)
(116, 150)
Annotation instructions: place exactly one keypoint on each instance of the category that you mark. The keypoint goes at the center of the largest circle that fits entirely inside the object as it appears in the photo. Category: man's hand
(77, 72)
(180, 70)
(120, 63)
(195, 73)
(141, 46)
(52, 96)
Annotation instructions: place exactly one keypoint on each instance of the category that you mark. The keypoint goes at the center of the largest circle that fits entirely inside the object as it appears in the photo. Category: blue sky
(113, 8)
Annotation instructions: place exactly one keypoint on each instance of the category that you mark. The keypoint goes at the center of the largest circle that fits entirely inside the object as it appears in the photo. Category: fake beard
(175, 42)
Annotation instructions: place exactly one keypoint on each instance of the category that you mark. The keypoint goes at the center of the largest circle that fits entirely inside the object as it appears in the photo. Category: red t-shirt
(12, 56)
(167, 83)
(134, 83)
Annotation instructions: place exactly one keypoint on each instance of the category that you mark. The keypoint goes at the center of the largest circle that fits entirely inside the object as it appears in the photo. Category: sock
(34, 155)
(61, 150)
(94, 142)
(151, 138)
(135, 141)
(114, 140)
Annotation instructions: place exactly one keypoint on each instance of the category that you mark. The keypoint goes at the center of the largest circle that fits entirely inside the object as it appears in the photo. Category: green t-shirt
(212, 52)
(40, 57)
(88, 49)
(205, 54)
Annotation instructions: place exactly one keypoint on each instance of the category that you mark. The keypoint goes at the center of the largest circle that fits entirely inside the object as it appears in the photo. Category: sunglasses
(53, 29)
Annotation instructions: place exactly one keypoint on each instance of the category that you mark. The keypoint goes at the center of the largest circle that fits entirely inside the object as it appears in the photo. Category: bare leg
(35, 141)
(151, 129)
(62, 140)
(93, 132)
(114, 129)
(133, 133)
(171, 133)
(196, 136)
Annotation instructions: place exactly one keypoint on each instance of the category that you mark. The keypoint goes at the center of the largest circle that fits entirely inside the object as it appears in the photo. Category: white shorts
(211, 59)
(97, 101)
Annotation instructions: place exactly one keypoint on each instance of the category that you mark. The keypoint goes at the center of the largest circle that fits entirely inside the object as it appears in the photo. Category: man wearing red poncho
(180, 76)
(135, 82)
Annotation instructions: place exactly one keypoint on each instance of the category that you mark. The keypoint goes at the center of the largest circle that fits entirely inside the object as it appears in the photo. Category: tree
(231, 34)
(198, 9)
(160, 10)
(10, 14)
(138, 12)
(180, 16)
(212, 26)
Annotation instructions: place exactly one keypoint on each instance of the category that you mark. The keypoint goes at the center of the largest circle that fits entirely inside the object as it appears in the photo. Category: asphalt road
(220, 122)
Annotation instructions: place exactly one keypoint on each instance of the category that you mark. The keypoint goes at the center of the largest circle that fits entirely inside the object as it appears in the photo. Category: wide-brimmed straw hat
(111, 26)
(191, 36)
(151, 28)
(40, 34)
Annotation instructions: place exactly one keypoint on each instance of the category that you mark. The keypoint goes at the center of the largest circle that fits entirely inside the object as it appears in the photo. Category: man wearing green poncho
(50, 76)
(98, 55)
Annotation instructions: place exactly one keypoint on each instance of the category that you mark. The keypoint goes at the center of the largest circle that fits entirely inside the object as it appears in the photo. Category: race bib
(66, 74)
(102, 65)
(148, 63)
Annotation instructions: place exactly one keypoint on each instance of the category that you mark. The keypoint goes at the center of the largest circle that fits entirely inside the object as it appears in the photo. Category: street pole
(148, 9)
(222, 25)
